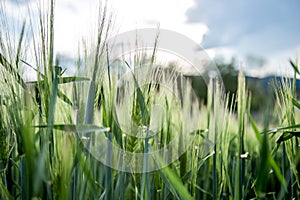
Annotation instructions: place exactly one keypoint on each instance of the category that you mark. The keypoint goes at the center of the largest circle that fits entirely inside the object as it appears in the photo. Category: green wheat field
(52, 129)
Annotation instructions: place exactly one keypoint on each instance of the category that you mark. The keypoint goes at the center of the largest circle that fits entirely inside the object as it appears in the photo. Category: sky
(261, 35)
(264, 29)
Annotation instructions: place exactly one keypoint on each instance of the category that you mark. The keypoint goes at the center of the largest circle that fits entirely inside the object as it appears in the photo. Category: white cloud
(76, 20)
(169, 14)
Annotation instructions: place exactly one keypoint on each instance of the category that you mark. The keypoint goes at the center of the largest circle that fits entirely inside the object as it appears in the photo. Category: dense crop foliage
(49, 127)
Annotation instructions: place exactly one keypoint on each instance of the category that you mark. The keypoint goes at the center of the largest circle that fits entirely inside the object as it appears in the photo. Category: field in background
(50, 126)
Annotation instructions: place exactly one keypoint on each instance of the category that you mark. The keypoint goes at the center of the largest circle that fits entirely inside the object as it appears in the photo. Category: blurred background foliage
(261, 89)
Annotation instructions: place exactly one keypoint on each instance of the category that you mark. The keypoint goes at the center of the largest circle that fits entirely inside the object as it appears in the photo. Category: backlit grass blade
(287, 135)
(254, 126)
(295, 102)
(277, 171)
(63, 97)
(295, 67)
(89, 110)
(20, 44)
(62, 80)
(145, 185)
(50, 71)
(51, 113)
(100, 47)
(70, 79)
(10, 69)
(83, 163)
(280, 129)
(81, 128)
(141, 99)
(4, 193)
(242, 104)
(175, 182)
